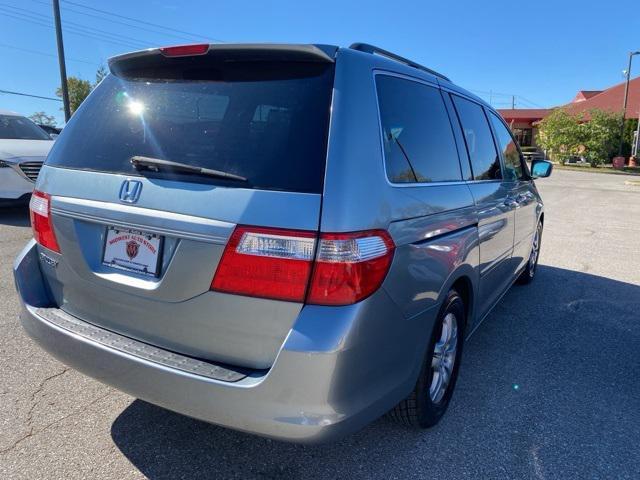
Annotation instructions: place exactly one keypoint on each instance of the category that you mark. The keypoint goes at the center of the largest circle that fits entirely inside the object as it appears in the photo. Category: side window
(510, 151)
(477, 134)
(418, 140)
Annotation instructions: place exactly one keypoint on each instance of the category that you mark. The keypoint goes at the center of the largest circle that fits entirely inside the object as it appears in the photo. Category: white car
(23, 148)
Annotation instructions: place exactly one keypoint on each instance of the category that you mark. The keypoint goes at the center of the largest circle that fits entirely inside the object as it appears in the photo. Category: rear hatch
(245, 131)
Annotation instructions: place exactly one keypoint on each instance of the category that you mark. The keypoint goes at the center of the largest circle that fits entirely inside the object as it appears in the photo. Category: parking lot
(548, 388)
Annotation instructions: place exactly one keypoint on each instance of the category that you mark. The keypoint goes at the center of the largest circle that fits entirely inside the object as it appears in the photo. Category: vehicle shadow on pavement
(548, 388)
(17, 216)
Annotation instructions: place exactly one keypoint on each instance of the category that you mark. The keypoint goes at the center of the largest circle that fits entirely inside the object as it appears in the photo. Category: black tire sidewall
(429, 413)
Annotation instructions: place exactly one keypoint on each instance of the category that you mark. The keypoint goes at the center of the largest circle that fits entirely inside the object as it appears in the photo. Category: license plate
(132, 250)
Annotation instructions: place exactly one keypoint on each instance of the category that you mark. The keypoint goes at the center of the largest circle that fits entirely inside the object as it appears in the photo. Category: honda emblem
(130, 191)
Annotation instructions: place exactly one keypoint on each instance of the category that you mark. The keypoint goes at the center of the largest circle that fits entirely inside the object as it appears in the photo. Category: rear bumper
(331, 377)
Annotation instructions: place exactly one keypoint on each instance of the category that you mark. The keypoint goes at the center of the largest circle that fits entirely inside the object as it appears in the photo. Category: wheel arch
(462, 281)
(464, 287)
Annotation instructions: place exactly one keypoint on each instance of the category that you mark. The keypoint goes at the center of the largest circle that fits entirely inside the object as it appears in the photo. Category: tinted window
(20, 128)
(510, 151)
(418, 140)
(268, 124)
(477, 134)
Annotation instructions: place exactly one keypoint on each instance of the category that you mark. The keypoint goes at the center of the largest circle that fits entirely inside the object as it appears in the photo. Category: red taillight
(278, 264)
(185, 50)
(266, 262)
(349, 267)
(40, 212)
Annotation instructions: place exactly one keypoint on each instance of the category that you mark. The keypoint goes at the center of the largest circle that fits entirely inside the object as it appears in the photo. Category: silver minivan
(289, 240)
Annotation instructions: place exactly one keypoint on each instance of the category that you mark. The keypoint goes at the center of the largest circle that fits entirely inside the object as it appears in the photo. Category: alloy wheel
(535, 250)
(444, 357)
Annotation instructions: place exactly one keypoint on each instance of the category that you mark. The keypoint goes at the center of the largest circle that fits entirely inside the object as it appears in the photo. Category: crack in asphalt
(34, 404)
(58, 420)
(33, 433)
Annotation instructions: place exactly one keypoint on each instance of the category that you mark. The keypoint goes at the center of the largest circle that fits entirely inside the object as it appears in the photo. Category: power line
(73, 25)
(36, 52)
(529, 101)
(519, 98)
(118, 22)
(104, 12)
(491, 92)
(73, 31)
(38, 16)
(9, 92)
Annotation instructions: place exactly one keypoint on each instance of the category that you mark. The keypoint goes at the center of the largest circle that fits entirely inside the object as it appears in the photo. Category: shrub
(559, 134)
(601, 136)
(564, 136)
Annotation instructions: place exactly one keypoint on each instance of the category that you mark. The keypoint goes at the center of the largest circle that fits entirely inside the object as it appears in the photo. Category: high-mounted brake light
(185, 50)
(40, 213)
(279, 264)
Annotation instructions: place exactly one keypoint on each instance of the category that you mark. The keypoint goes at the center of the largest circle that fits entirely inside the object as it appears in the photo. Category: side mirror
(53, 136)
(541, 168)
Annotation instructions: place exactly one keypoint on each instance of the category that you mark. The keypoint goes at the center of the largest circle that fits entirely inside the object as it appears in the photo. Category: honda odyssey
(289, 240)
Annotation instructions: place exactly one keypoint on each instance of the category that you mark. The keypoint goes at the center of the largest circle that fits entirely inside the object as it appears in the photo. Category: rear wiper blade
(157, 164)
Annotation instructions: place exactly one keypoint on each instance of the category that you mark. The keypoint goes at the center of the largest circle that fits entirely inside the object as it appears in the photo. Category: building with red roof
(583, 95)
(523, 120)
(610, 100)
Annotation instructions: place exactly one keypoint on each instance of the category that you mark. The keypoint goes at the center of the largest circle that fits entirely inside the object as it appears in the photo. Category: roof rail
(365, 47)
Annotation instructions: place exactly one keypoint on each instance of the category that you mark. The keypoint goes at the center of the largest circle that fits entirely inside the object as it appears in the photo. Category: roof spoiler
(163, 57)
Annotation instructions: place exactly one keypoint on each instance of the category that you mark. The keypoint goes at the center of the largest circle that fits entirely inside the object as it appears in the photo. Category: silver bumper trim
(139, 349)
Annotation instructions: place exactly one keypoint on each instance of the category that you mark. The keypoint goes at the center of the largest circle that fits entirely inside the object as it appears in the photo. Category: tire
(529, 272)
(426, 404)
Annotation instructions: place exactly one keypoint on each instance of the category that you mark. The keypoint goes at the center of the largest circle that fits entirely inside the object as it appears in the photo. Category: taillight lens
(266, 262)
(278, 264)
(40, 213)
(185, 50)
(349, 267)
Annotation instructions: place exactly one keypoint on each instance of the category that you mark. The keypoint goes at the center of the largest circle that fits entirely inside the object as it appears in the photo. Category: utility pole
(61, 62)
(513, 102)
(636, 145)
(624, 101)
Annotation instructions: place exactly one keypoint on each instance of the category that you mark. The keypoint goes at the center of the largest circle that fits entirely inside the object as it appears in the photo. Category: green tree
(79, 89)
(43, 119)
(601, 136)
(560, 135)
(100, 74)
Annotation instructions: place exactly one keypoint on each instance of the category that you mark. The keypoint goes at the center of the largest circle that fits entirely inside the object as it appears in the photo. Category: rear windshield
(20, 128)
(266, 122)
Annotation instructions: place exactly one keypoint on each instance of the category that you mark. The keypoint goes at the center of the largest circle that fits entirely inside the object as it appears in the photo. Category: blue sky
(541, 51)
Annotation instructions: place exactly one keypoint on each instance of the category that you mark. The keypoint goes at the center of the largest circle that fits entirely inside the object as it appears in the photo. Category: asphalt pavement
(549, 386)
